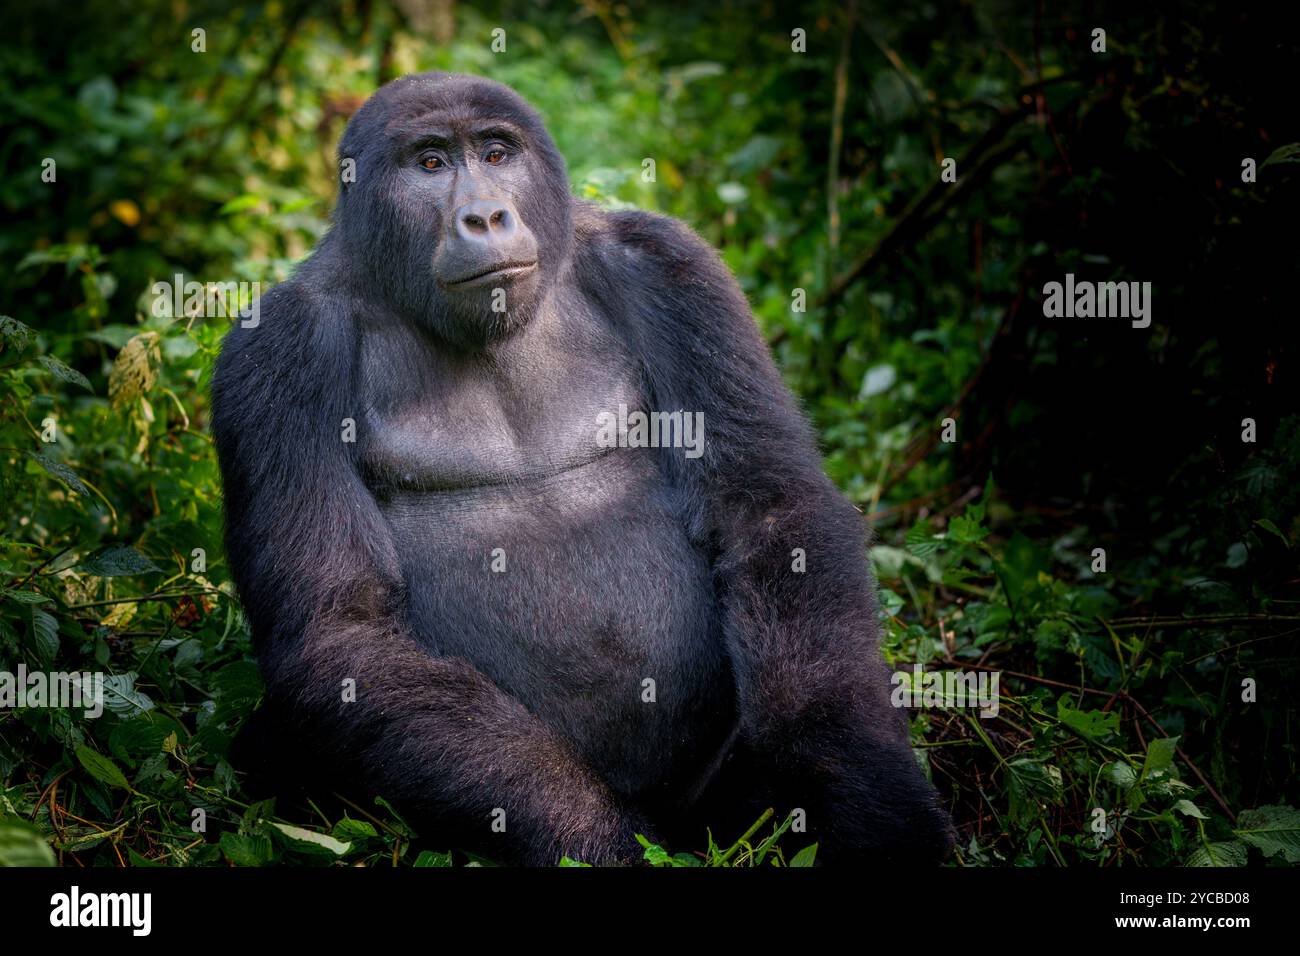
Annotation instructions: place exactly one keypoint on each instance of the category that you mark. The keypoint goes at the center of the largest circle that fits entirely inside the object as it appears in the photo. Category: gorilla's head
(457, 201)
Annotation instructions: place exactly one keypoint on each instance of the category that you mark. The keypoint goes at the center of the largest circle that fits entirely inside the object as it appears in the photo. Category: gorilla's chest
(559, 567)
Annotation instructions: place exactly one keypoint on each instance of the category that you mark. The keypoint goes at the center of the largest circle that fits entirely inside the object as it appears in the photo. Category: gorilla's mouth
(502, 271)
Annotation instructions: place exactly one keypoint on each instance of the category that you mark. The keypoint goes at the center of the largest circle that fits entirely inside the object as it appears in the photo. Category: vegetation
(1147, 713)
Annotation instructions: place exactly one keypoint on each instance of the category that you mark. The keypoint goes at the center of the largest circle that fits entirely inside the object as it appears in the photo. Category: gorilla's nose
(488, 221)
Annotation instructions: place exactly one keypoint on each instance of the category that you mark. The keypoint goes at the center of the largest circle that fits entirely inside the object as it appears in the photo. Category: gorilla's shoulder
(649, 249)
(297, 330)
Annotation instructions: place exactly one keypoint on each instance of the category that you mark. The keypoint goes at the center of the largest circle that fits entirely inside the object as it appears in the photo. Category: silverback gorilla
(534, 641)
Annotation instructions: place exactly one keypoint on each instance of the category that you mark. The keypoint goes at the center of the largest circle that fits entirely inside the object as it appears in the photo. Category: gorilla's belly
(599, 613)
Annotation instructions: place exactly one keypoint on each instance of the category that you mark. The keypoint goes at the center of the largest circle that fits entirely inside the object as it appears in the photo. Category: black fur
(522, 690)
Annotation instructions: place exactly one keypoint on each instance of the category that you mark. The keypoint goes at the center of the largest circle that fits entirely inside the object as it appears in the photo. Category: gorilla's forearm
(446, 744)
(810, 679)
(799, 610)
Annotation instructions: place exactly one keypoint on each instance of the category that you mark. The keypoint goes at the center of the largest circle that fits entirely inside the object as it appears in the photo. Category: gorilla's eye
(494, 156)
(431, 162)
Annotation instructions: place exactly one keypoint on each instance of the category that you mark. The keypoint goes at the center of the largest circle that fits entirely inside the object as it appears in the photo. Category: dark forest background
(1126, 735)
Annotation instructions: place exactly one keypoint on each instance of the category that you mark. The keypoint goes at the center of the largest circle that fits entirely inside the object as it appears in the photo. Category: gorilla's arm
(319, 578)
(812, 686)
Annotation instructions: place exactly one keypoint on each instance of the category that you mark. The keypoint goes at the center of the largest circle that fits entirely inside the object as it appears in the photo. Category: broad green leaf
(21, 844)
(101, 768)
(805, 857)
(63, 372)
(349, 829)
(430, 858)
(1290, 153)
(1189, 809)
(122, 698)
(118, 560)
(238, 681)
(13, 334)
(1093, 724)
(1160, 755)
(240, 204)
(1272, 830)
(62, 472)
(141, 736)
(1219, 854)
(1122, 775)
(25, 597)
(45, 634)
(310, 841)
(247, 850)
(921, 541)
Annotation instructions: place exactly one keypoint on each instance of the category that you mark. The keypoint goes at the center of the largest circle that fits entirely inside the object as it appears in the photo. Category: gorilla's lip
(504, 270)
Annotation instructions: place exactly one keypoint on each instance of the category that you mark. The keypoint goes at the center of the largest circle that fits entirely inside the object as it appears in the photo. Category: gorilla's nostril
(486, 220)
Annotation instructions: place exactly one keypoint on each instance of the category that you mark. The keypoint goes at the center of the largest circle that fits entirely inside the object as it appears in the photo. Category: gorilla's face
(460, 203)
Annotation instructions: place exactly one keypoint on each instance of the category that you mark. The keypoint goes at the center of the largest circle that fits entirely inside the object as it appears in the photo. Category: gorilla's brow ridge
(434, 128)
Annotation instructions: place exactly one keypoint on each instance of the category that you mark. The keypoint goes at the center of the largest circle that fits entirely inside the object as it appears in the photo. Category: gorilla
(480, 586)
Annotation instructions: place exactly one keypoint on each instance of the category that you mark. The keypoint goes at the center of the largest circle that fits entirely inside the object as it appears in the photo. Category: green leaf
(238, 681)
(1030, 784)
(564, 861)
(115, 335)
(1219, 854)
(805, 857)
(240, 204)
(121, 697)
(62, 472)
(101, 768)
(348, 830)
(13, 334)
(1272, 830)
(247, 849)
(1122, 775)
(45, 634)
(63, 372)
(1290, 153)
(25, 597)
(140, 737)
(1160, 755)
(21, 844)
(430, 858)
(1189, 809)
(890, 603)
(921, 541)
(966, 529)
(116, 561)
(309, 841)
(1092, 724)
